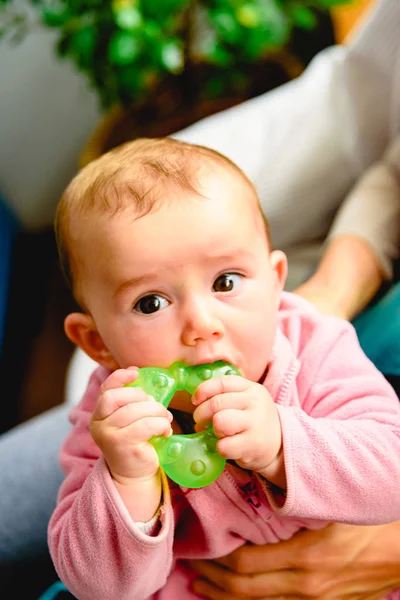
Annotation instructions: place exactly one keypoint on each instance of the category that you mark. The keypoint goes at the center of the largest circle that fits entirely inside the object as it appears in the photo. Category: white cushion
(79, 370)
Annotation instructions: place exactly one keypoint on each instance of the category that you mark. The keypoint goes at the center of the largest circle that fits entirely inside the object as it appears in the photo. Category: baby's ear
(82, 331)
(280, 268)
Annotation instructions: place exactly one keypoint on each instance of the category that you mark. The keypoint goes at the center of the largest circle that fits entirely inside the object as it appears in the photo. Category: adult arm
(363, 242)
(347, 278)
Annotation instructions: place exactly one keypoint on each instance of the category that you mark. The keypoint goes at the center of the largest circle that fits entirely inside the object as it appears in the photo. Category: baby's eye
(226, 282)
(150, 304)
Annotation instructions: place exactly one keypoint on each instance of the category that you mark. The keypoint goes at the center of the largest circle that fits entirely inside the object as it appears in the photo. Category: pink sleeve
(97, 549)
(342, 445)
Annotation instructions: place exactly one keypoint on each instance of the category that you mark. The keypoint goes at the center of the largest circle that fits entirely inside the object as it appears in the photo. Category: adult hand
(340, 562)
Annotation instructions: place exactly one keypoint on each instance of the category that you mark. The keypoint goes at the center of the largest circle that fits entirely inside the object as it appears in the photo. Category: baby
(169, 256)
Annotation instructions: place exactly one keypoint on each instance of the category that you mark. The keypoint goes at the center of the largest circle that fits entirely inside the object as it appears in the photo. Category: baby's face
(193, 280)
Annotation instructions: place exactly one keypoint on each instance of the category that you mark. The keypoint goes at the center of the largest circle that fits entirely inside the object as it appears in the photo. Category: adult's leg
(378, 330)
(30, 476)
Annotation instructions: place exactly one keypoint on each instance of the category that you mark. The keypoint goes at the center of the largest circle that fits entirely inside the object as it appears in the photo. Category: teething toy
(190, 460)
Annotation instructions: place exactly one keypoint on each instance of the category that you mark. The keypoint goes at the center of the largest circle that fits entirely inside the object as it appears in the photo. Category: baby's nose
(201, 323)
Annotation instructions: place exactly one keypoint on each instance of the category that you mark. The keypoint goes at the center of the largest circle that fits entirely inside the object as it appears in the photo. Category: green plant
(127, 48)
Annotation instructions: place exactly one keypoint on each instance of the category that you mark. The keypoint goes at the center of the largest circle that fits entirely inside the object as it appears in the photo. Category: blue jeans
(8, 229)
(378, 330)
(30, 476)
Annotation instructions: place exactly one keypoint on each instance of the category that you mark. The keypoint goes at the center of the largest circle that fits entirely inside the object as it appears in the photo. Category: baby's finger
(134, 411)
(206, 411)
(219, 385)
(119, 378)
(234, 447)
(144, 429)
(230, 422)
(112, 399)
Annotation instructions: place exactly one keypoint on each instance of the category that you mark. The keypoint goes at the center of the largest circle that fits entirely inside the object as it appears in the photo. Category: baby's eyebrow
(239, 252)
(133, 282)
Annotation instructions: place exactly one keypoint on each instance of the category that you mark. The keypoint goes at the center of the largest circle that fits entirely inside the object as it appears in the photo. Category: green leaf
(248, 15)
(161, 10)
(151, 32)
(302, 16)
(172, 56)
(81, 46)
(227, 26)
(275, 26)
(128, 18)
(330, 3)
(217, 55)
(130, 79)
(55, 16)
(124, 48)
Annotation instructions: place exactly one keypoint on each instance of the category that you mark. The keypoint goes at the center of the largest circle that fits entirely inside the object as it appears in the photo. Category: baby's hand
(125, 418)
(246, 420)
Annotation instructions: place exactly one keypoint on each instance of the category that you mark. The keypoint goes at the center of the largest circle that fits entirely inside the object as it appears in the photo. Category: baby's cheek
(259, 353)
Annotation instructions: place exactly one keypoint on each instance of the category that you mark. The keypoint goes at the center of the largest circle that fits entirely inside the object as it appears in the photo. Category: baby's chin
(257, 375)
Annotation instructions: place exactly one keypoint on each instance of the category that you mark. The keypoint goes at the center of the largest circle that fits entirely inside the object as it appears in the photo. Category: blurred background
(79, 77)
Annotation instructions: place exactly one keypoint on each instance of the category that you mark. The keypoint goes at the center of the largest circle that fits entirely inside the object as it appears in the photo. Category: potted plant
(160, 65)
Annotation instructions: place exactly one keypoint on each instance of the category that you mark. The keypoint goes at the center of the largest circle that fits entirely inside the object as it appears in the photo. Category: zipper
(249, 492)
(291, 373)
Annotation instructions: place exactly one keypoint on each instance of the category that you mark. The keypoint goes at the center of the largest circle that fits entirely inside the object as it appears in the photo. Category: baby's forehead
(134, 197)
(232, 186)
(103, 238)
(215, 174)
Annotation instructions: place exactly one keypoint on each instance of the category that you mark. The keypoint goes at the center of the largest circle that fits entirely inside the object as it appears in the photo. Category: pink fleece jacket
(341, 438)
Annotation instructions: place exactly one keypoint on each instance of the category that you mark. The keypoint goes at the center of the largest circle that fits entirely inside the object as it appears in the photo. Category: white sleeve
(148, 527)
(306, 143)
(372, 209)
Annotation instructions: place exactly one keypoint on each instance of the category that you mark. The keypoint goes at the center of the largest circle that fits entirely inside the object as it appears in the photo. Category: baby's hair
(134, 174)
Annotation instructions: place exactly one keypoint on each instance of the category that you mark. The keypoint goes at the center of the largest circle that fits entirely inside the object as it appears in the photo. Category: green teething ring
(190, 460)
